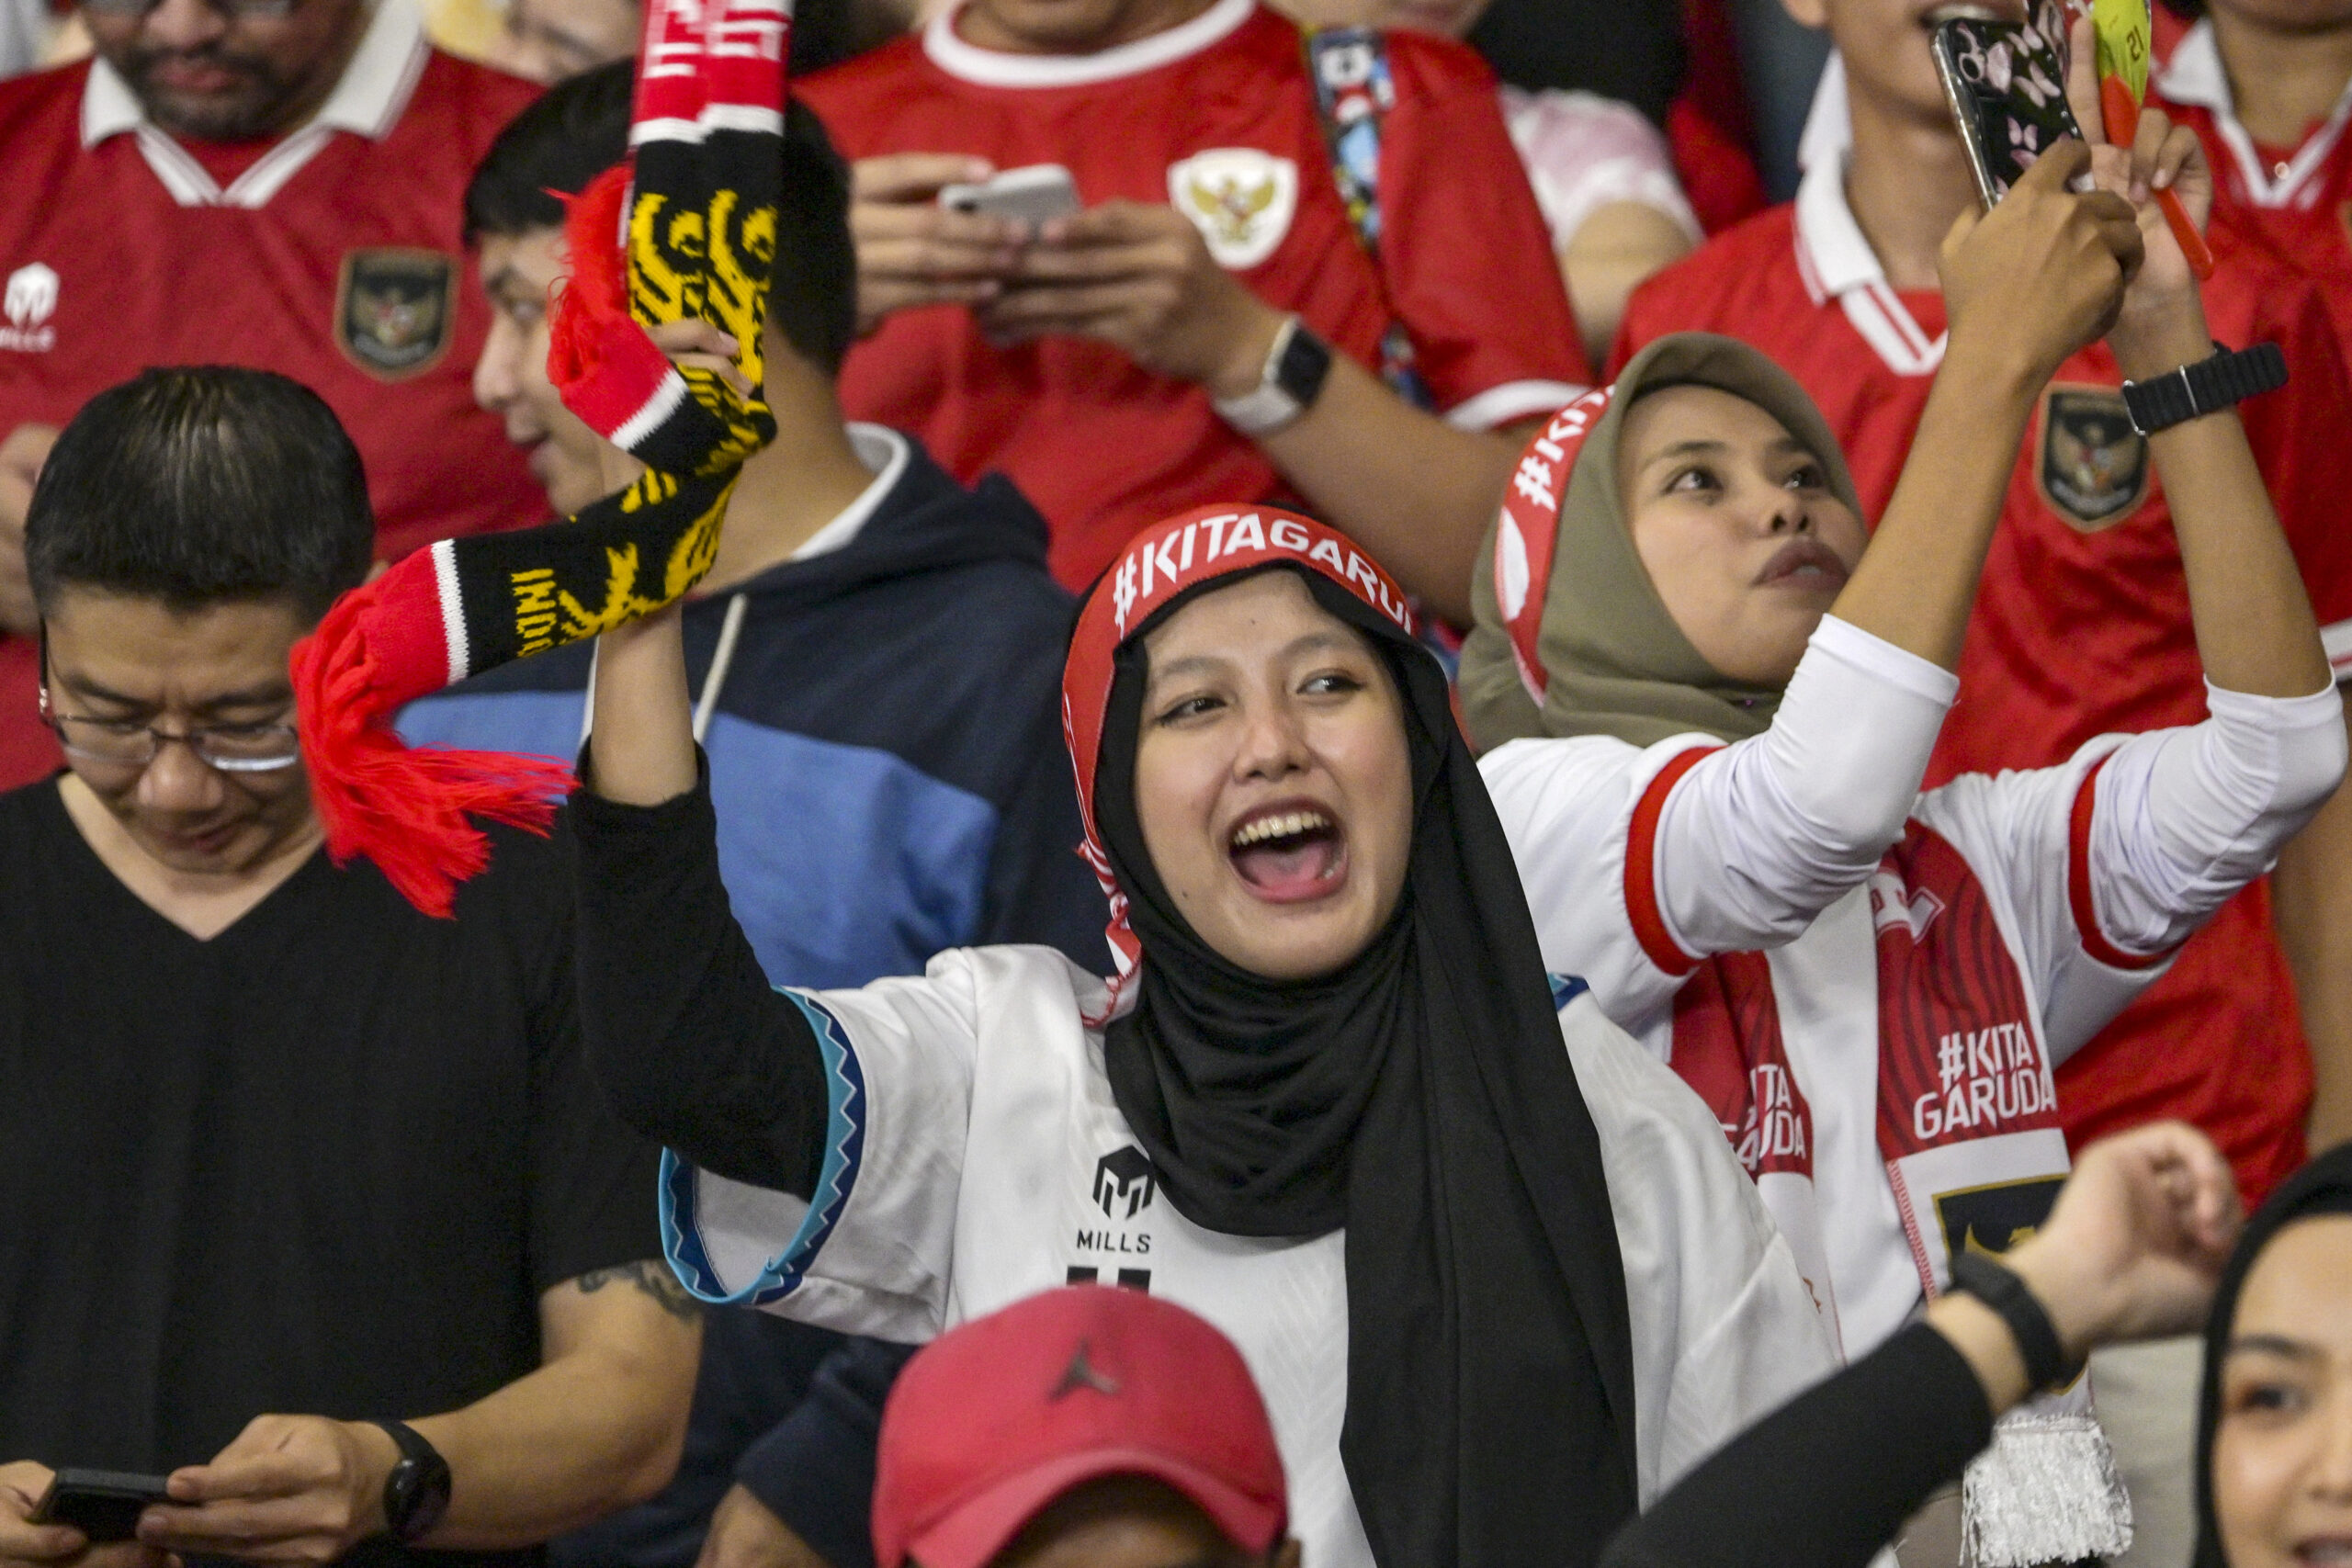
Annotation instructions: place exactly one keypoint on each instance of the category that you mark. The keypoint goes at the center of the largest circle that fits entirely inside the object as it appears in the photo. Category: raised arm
(696, 1050)
(2175, 822)
(2255, 628)
(2132, 1249)
(1745, 847)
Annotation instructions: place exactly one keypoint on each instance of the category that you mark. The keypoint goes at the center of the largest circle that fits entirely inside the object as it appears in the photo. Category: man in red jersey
(271, 183)
(2268, 84)
(1165, 347)
(2082, 625)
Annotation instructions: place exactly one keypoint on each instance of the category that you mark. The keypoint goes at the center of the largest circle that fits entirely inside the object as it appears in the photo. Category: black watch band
(1988, 1279)
(2219, 381)
(416, 1492)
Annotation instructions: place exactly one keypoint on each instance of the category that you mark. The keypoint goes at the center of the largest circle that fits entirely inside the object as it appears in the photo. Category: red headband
(1527, 534)
(1163, 562)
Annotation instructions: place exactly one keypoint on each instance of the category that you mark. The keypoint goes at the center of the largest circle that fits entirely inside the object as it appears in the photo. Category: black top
(1828, 1478)
(324, 1163)
(695, 1047)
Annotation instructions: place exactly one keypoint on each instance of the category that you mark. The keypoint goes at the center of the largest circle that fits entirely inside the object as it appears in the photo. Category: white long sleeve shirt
(1776, 882)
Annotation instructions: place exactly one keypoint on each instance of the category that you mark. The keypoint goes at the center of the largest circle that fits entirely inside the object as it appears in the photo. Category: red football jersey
(2082, 626)
(1216, 117)
(2295, 201)
(334, 258)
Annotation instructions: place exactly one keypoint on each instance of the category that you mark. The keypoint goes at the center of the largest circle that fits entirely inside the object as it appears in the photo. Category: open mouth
(2325, 1552)
(1288, 853)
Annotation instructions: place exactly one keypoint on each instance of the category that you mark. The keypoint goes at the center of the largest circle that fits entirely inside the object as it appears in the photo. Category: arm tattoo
(654, 1278)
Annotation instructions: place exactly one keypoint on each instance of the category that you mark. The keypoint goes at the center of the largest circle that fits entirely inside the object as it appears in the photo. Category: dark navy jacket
(886, 754)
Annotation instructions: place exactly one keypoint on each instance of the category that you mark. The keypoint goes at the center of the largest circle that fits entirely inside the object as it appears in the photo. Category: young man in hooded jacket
(876, 656)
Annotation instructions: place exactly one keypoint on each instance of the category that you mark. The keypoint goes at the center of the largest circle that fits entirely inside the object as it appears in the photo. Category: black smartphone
(104, 1505)
(2006, 84)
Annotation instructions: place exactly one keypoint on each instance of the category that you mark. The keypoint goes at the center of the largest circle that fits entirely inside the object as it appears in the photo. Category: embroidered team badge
(393, 310)
(2094, 466)
(1239, 198)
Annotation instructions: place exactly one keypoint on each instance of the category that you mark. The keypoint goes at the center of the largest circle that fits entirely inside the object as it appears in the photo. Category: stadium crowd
(1174, 783)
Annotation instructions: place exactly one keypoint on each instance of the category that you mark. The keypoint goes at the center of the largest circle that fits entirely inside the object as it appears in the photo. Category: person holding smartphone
(1232, 316)
(2082, 626)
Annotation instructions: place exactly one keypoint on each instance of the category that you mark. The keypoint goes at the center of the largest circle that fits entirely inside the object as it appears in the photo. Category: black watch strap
(2219, 381)
(1988, 1279)
(416, 1492)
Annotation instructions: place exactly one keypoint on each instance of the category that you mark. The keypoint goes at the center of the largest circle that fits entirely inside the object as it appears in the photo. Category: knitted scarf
(685, 229)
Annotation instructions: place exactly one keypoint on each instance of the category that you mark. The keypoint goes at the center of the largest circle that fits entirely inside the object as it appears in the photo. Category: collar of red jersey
(1832, 253)
(367, 102)
(2194, 75)
(998, 68)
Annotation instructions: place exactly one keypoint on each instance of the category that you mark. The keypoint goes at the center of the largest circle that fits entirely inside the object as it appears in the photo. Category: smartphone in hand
(1032, 195)
(2006, 84)
(104, 1505)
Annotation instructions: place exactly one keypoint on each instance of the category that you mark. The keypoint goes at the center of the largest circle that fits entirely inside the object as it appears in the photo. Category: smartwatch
(2218, 381)
(1296, 365)
(416, 1492)
(1995, 1284)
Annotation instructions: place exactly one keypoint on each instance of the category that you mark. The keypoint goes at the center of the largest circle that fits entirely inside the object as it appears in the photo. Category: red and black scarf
(685, 229)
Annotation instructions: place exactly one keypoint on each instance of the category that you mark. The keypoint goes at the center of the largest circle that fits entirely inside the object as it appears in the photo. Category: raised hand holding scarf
(687, 230)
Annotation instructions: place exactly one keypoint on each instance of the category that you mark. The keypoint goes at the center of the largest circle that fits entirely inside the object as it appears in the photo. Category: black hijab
(1422, 1097)
(2323, 1187)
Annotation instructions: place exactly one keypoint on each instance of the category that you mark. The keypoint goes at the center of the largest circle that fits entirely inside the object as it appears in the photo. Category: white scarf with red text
(1969, 1135)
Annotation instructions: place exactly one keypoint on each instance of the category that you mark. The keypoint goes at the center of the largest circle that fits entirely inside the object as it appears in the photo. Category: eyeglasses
(123, 743)
(231, 748)
(233, 9)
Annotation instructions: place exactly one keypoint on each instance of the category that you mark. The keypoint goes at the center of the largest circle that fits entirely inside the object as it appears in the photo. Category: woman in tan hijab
(1719, 710)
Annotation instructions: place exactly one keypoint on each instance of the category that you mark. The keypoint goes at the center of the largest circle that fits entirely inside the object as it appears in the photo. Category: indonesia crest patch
(2094, 465)
(1239, 198)
(394, 309)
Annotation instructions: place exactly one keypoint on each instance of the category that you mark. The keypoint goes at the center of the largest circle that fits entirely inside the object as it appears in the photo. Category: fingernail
(2164, 179)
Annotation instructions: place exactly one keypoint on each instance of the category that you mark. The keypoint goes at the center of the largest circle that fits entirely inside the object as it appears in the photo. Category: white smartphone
(1031, 195)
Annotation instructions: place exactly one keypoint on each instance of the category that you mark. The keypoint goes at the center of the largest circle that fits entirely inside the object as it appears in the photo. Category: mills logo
(1123, 1181)
(31, 300)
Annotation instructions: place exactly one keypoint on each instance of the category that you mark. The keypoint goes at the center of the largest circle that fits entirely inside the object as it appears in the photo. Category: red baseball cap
(995, 1419)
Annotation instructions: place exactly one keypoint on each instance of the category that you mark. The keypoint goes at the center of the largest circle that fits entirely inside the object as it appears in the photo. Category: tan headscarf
(1572, 638)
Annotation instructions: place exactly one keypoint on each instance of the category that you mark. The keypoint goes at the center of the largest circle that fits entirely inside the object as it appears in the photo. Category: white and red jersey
(2082, 624)
(1872, 986)
(976, 1157)
(331, 254)
(1216, 117)
(2274, 207)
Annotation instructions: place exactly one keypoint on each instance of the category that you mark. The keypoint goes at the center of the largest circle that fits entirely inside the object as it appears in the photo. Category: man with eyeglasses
(272, 183)
(311, 1206)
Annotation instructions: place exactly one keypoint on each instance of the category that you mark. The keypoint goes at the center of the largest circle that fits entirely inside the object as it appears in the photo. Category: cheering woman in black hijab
(1498, 1291)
